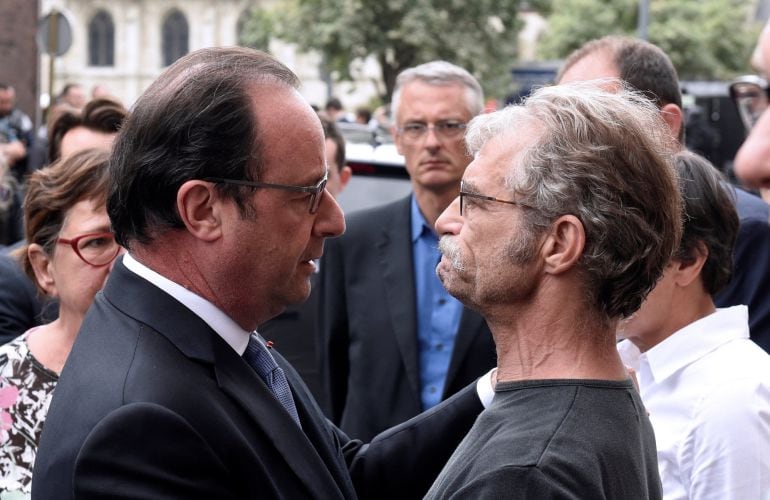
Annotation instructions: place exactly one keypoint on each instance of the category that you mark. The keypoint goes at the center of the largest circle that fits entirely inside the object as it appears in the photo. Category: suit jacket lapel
(196, 340)
(470, 326)
(233, 376)
(395, 252)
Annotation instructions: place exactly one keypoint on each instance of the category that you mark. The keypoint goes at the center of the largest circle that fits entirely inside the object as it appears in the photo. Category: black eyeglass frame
(73, 243)
(478, 196)
(315, 192)
(753, 80)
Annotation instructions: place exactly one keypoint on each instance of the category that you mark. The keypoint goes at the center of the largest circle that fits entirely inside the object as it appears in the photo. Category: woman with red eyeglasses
(69, 254)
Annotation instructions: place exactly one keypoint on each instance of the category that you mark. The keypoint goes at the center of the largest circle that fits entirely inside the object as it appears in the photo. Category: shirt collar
(691, 343)
(220, 322)
(419, 224)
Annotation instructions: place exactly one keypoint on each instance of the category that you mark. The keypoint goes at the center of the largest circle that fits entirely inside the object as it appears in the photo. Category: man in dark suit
(218, 192)
(648, 69)
(396, 343)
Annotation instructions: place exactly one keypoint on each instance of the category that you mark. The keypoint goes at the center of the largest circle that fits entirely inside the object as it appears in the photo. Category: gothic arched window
(176, 35)
(101, 40)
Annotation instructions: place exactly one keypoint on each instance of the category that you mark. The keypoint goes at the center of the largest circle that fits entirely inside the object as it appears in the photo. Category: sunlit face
(752, 163)
(434, 163)
(63, 274)
(647, 327)
(269, 258)
(81, 138)
(488, 256)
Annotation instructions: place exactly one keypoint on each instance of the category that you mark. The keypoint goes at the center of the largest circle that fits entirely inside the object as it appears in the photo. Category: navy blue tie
(258, 357)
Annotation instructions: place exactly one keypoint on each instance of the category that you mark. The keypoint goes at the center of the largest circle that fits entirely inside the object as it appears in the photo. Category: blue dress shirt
(438, 313)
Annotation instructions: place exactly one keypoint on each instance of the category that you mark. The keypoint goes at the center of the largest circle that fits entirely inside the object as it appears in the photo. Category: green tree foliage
(480, 35)
(707, 39)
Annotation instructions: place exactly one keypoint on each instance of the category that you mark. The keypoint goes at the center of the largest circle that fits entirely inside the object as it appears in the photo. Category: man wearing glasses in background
(395, 342)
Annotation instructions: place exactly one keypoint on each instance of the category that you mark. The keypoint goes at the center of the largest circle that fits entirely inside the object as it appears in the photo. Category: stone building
(125, 44)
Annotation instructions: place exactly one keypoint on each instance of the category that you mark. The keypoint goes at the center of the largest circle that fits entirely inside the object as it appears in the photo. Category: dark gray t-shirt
(545, 439)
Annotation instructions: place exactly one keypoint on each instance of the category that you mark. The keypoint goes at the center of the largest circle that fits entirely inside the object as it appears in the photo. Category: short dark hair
(100, 115)
(710, 219)
(196, 120)
(332, 132)
(643, 65)
(334, 103)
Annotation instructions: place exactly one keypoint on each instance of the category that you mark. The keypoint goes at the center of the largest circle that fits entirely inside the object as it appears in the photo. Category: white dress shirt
(235, 336)
(707, 389)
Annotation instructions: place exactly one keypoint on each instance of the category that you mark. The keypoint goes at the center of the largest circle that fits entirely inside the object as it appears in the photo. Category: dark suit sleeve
(402, 462)
(333, 344)
(511, 483)
(121, 459)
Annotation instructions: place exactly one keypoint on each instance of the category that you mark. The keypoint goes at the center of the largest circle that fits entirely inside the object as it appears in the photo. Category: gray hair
(607, 159)
(440, 73)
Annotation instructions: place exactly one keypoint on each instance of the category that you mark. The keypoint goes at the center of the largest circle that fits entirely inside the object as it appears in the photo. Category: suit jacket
(152, 403)
(750, 284)
(21, 307)
(369, 318)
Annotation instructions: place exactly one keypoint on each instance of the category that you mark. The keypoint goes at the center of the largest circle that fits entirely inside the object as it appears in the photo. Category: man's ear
(41, 265)
(201, 209)
(345, 174)
(563, 245)
(672, 115)
(686, 272)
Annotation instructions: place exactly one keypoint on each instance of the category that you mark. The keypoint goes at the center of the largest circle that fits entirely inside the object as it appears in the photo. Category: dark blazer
(750, 283)
(371, 358)
(21, 306)
(154, 404)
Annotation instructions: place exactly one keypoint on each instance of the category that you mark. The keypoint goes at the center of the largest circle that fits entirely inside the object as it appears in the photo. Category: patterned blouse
(26, 387)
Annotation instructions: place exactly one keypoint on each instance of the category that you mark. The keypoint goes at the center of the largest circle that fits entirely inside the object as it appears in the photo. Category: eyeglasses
(414, 131)
(315, 192)
(751, 96)
(466, 194)
(95, 249)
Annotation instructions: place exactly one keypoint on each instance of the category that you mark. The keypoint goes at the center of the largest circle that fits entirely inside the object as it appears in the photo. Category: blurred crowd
(569, 304)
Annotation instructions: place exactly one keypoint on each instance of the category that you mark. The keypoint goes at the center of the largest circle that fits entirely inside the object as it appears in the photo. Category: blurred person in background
(11, 226)
(705, 385)
(647, 68)
(69, 254)
(395, 343)
(73, 95)
(334, 110)
(16, 134)
(95, 126)
(752, 163)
